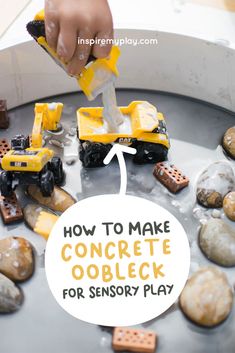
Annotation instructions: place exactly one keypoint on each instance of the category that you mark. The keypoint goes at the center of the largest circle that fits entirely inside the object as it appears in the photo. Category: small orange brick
(10, 209)
(126, 339)
(170, 176)
(4, 148)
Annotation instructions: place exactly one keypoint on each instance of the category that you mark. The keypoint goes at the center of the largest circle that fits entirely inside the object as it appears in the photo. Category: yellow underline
(228, 5)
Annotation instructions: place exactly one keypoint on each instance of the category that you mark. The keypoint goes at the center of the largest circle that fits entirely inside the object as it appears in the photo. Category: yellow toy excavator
(28, 162)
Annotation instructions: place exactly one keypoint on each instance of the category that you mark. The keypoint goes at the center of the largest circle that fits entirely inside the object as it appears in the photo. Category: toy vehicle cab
(144, 129)
(20, 142)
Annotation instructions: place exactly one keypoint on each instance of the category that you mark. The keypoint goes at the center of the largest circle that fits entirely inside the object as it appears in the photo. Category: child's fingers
(51, 24)
(52, 31)
(81, 55)
(67, 40)
(103, 44)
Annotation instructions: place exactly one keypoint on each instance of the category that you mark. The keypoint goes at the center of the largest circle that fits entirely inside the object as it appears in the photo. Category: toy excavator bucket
(47, 117)
(51, 114)
(96, 73)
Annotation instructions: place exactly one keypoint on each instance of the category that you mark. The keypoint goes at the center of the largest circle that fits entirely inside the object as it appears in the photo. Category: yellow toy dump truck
(143, 128)
(28, 162)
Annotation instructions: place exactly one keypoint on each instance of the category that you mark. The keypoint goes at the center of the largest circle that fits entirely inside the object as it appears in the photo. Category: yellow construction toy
(28, 162)
(143, 128)
(139, 125)
(88, 80)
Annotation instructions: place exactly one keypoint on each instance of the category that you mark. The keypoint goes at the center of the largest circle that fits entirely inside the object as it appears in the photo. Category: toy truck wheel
(36, 28)
(56, 166)
(150, 153)
(47, 183)
(93, 154)
(6, 184)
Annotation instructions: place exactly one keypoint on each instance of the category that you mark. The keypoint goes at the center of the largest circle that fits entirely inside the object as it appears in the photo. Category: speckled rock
(229, 142)
(229, 205)
(11, 296)
(207, 298)
(59, 201)
(214, 183)
(217, 241)
(16, 258)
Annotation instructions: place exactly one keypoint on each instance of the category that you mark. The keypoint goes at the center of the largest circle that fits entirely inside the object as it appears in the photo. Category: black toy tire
(6, 183)
(93, 154)
(36, 29)
(56, 166)
(149, 153)
(47, 183)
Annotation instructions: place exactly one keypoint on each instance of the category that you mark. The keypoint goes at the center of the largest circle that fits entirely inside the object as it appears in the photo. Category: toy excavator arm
(47, 117)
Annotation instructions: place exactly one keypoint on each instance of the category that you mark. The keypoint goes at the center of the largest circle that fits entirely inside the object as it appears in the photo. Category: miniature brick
(126, 339)
(170, 176)
(4, 148)
(10, 209)
(4, 118)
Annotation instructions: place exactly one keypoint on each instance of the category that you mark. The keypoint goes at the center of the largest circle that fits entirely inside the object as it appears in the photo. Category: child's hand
(68, 20)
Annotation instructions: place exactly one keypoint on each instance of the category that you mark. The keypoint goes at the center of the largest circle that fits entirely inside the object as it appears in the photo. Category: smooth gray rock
(11, 296)
(217, 241)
